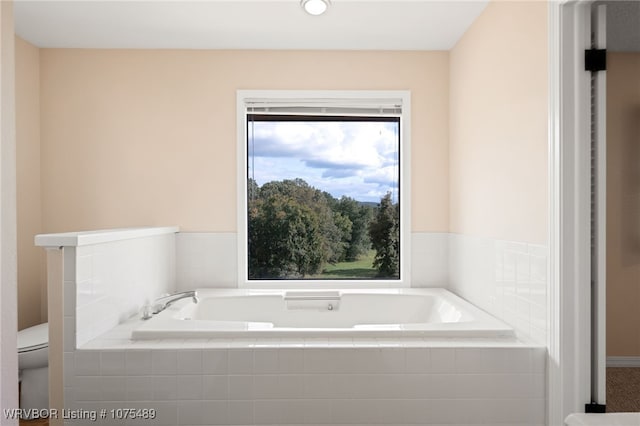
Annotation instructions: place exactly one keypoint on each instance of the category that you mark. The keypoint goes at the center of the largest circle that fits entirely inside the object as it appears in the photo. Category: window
(323, 189)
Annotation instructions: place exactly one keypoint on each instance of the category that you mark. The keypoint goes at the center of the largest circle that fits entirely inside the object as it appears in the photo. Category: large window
(323, 191)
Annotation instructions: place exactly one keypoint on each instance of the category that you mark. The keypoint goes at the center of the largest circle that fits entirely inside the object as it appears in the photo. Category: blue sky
(356, 159)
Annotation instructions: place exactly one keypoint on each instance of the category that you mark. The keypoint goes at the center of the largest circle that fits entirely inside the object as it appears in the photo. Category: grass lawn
(361, 268)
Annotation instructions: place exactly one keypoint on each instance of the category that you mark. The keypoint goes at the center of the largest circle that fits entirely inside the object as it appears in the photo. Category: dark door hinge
(595, 60)
(595, 408)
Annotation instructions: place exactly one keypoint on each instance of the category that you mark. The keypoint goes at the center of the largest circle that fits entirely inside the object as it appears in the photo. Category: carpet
(623, 390)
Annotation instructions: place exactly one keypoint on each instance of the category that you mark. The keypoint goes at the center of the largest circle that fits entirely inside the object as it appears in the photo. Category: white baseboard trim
(623, 361)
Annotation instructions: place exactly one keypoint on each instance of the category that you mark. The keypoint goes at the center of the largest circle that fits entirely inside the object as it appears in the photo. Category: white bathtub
(322, 313)
(607, 419)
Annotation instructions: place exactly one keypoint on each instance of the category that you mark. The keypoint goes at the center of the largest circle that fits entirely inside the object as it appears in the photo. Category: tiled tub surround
(206, 259)
(312, 381)
(505, 278)
(281, 381)
(96, 280)
(107, 282)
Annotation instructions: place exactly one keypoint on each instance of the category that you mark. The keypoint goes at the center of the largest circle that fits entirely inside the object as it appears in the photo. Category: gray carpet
(623, 390)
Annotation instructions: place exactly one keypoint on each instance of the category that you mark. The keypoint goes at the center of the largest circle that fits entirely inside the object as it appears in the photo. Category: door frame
(569, 300)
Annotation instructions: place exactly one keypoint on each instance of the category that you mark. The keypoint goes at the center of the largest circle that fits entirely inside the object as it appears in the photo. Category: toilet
(33, 363)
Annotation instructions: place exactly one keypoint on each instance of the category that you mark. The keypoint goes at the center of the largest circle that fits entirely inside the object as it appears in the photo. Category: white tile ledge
(77, 239)
(104, 344)
(118, 339)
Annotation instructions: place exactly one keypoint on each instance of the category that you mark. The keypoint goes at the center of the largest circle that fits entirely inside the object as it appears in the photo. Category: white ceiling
(245, 24)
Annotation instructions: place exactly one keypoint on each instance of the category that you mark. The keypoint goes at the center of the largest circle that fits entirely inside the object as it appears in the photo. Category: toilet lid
(33, 338)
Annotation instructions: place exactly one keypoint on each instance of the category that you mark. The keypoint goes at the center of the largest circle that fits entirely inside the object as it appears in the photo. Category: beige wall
(623, 204)
(149, 137)
(498, 127)
(31, 280)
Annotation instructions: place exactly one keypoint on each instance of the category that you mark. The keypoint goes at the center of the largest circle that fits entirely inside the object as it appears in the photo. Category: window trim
(325, 97)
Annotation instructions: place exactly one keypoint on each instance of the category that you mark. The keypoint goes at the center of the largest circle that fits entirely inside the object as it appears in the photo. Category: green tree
(359, 215)
(293, 230)
(252, 189)
(344, 228)
(384, 231)
(285, 239)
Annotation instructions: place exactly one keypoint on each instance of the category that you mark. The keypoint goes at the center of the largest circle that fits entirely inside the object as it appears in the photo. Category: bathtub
(608, 419)
(238, 313)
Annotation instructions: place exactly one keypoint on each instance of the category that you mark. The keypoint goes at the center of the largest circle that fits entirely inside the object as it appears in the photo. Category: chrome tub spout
(162, 303)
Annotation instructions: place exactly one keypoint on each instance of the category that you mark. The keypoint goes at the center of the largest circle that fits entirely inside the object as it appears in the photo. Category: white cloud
(357, 159)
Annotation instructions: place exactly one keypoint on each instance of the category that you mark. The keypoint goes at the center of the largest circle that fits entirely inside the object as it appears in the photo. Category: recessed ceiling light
(315, 7)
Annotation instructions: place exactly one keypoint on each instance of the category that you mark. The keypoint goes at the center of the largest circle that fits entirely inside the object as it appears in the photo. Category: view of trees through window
(323, 197)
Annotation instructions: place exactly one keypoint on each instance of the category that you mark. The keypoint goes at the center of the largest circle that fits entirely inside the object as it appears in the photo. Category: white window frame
(326, 97)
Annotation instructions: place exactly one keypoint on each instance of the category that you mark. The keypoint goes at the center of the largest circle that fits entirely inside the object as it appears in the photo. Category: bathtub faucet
(164, 302)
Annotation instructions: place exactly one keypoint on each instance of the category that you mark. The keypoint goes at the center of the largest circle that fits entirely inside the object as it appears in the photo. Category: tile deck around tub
(119, 338)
